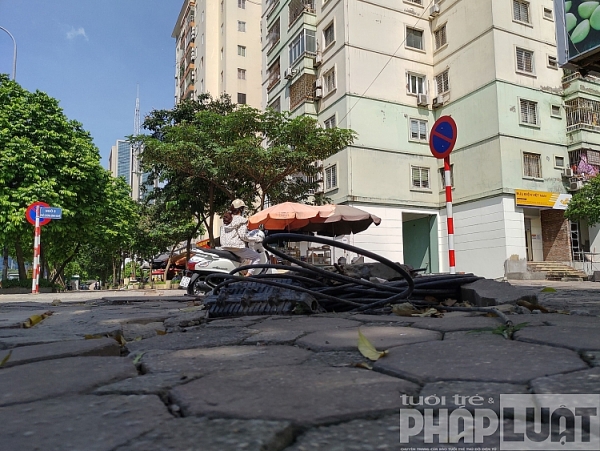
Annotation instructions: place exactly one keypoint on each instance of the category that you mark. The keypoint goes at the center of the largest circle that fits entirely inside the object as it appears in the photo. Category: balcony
(299, 7)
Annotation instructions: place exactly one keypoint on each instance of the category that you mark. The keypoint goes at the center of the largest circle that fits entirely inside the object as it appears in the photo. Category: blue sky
(91, 54)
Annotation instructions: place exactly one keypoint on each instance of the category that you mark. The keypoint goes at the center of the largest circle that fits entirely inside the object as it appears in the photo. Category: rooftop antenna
(135, 148)
(136, 121)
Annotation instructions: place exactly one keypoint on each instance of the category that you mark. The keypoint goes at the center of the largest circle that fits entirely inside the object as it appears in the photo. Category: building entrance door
(528, 242)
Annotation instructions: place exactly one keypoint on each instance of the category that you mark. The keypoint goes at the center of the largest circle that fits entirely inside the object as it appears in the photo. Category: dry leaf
(431, 300)
(449, 302)
(120, 339)
(93, 337)
(367, 349)
(404, 309)
(35, 319)
(531, 306)
(160, 332)
(548, 290)
(364, 365)
(138, 358)
(430, 312)
(137, 339)
(5, 359)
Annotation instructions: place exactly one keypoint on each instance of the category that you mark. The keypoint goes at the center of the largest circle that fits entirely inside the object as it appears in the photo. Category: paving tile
(304, 394)
(147, 384)
(220, 434)
(90, 423)
(305, 324)
(456, 323)
(474, 358)
(584, 382)
(53, 378)
(71, 348)
(382, 337)
(209, 360)
(577, 338)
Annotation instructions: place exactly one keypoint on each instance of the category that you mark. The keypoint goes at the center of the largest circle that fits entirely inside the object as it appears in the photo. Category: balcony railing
(297, 7)
(582, 114)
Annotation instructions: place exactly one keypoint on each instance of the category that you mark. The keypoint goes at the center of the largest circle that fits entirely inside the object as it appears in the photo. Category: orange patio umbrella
(286, 216)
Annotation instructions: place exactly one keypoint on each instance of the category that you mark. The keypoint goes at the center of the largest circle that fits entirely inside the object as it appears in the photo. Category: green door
(420, 243)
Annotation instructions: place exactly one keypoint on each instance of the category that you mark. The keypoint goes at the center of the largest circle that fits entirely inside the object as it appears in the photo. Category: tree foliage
(585, 203)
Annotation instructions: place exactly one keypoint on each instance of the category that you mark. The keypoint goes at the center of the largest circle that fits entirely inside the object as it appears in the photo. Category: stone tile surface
(577, 338)
(147, 384)
(52, 378)
(82, 423)
(202, 434)
(472, 358)
(382, 337)
(584, 382)
(305, 394)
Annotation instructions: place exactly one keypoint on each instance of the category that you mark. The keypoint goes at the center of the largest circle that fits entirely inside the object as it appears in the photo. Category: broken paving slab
(382, 337)
(578, 382)
(135, 331)
(489, 358)
(60, 377)
(220, 434)
(576, 338)
(90, 423)
(62, 349)
(486, 292)
(209, 360)
(194, 337)
(303, 394)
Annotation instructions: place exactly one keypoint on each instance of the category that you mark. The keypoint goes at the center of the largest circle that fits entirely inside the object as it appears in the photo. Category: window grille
(524, 60)
(420, 177)
(442, 82)
(532, 165)
(440, 37)
(529, 113)
(521, 11)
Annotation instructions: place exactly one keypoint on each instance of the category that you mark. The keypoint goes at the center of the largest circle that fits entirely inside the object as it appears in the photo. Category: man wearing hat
(234, 234)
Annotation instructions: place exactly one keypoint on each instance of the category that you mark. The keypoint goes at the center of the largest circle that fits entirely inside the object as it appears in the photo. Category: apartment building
(123, 162)
(389, 69)
(218, 50)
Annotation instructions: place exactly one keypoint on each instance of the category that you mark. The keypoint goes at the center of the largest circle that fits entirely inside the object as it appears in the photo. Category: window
(532, 165)
(442, 82)
(552, 62)
(440, 37)
(443, 176)
(242, 4)
(415, 84)
(273, 34)
(241, 74)
(329, 35)
(559, 162)
(419, 177)
(548, 14)
(414, 38)
(521, 11)
(241, 98)
(416, 2)
(276, 105)
(329, 81)
(330, 122)
(555, 111)
(331, 177)
(418, 130)
(304, 42)
(241, 50)
(529, 114)
(241, 26)
(273, 74)
(524, 61)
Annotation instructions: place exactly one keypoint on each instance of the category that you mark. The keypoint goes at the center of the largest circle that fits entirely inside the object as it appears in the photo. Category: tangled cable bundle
(338, 292)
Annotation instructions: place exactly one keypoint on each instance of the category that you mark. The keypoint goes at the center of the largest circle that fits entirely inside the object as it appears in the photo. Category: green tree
(46, 157)
(585, 203)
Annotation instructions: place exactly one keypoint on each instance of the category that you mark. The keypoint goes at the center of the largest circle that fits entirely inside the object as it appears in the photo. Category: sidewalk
(123, 371)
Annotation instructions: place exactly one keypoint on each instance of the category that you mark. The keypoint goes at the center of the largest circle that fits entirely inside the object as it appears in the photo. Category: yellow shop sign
(529, 198)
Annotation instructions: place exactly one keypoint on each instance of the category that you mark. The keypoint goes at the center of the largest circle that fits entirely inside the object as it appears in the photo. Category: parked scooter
(218, 261)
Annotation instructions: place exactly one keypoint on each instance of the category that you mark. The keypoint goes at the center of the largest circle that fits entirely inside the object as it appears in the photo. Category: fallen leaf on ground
(5, 359)
(93, 337)
(364, 365)
(160, 332)
(431, 312)
(531, 306)
(404, 309)
(431, 300)
(138, 358)
(548, 290)
(35, 319)
(367, 349)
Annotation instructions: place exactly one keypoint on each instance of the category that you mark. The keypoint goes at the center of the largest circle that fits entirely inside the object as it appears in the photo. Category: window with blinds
(331, 177)
(418, 130)
(440, 37)
(524, 60)
(532, 165)
(521, 11)
(420, 177)
(442, 82)
(330, 122)
(529, 112)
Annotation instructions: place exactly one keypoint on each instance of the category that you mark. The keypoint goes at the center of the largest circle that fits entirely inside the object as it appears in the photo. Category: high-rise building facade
(388, 70)
(218, 50)
(123, 162)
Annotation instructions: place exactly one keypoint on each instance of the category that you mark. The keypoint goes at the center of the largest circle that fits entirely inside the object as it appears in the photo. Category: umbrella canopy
(335, 220)
(286, 216)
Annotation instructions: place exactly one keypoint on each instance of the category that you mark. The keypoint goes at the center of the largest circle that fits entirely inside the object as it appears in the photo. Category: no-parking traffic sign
(442, 137)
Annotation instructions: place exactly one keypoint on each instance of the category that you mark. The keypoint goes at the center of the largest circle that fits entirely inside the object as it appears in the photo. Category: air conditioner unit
(193, 33)
(318, 93)
(318, 60)
(319, 83)
(568, 172)
(438, 101)
(193, 54)
(576, 185)
(288, 74)
(422, 100)
(434, 10)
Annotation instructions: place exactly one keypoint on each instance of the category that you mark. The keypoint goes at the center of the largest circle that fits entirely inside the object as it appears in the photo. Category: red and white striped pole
(450, 218)
(35, 284)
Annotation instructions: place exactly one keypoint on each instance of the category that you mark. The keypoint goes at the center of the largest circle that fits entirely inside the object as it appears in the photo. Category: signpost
(39, 214)
(442, 139)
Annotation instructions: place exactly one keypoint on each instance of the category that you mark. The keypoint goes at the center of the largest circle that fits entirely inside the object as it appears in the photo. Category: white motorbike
(218, 261)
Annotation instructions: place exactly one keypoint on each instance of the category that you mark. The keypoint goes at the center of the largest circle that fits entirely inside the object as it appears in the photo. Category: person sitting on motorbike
(234, 234)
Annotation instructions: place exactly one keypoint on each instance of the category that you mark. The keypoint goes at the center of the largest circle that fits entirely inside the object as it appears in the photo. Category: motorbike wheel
(197, 287)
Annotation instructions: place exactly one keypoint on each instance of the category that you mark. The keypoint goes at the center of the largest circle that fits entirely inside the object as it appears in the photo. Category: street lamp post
(14, 71)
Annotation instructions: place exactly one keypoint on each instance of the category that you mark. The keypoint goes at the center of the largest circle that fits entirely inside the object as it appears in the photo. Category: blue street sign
(51, 212)
(442, 137)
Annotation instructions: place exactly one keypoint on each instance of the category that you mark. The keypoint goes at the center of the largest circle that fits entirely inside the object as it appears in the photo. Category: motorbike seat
(224, 254)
